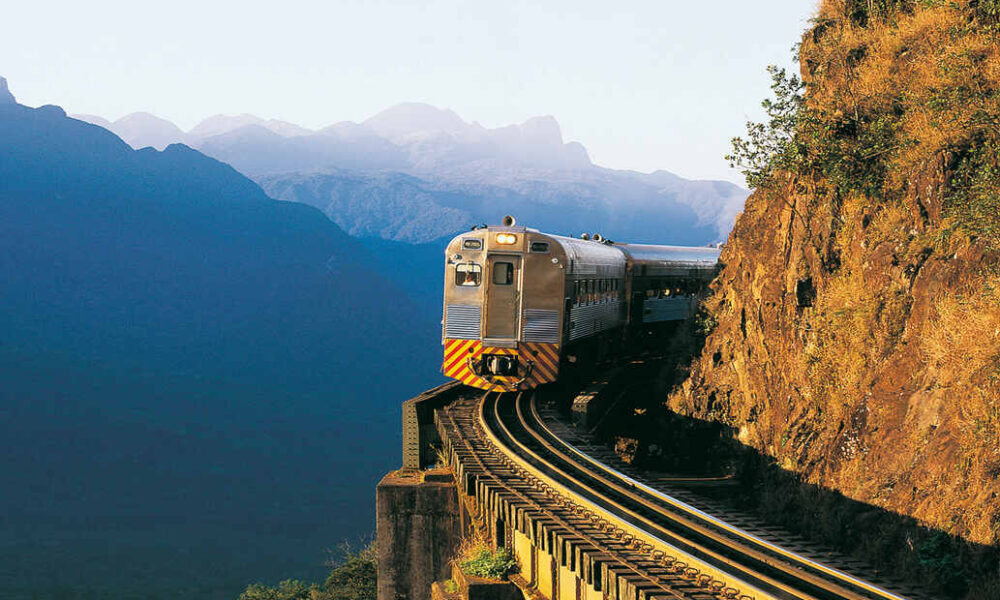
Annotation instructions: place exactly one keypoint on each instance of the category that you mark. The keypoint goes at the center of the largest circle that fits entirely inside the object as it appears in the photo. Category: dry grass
(886, 387)
(961, 347)
(930, 76)
(857, 322)
(473, 544)
(964, 340)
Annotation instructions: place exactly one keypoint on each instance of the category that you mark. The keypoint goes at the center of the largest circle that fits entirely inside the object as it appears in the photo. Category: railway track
(615, 531)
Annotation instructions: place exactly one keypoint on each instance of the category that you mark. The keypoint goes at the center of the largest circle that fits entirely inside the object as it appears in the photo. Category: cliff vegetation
(354, 577)
(854, 331)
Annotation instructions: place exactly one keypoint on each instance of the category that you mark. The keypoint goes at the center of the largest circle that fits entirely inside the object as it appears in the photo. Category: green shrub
(287, 590)
(353, 577)
(490, 564)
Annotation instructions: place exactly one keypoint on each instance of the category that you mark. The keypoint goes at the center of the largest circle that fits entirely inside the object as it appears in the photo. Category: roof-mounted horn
(509, 221)
(597, 237)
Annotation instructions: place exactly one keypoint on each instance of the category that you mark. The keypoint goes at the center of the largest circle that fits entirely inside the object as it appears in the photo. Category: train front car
(518, 302)
(503, 299)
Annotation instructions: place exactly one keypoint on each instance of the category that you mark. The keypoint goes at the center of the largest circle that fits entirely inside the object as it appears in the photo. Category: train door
(503, 296)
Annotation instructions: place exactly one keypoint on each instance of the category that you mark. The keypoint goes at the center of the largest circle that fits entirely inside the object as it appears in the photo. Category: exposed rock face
(857, 335)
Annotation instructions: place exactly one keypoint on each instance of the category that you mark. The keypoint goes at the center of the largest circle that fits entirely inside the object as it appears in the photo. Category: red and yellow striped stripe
(459, 355)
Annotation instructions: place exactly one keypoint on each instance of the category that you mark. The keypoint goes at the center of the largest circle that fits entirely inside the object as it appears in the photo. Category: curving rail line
(741, 560)
(607, 557)
(835, 576)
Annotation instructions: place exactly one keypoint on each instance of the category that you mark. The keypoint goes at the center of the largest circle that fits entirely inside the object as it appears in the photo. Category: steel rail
(499, 446)
(748, 590)
(776, 584)
(682, 506)
(498, 452)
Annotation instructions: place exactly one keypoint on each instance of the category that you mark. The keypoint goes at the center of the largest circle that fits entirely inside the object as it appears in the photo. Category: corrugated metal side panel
(463, 322)
(541, 325)
(595, 318)
(667, 309)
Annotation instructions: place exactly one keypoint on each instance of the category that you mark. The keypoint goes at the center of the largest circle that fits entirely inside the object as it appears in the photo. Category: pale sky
(644, 85)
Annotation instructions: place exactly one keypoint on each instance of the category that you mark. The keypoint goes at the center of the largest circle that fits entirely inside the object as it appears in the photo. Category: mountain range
(416, 173)
(199, 385)
(201, 363)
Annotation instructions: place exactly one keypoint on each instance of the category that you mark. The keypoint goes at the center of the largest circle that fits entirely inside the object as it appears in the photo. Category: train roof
(691, 257)
(586, 251)
(590, 256)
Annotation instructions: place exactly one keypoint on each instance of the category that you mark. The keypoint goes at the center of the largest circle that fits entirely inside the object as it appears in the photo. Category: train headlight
(506, 239)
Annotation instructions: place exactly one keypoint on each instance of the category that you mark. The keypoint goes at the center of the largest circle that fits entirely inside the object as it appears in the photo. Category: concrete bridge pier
(419, 530)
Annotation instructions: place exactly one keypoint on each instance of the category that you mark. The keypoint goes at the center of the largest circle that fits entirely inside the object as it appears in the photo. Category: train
(522, 306)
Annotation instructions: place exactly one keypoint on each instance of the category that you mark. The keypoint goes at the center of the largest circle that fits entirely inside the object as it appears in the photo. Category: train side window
(468, 275)
(472, 244)
(503, 273)
(541, 247)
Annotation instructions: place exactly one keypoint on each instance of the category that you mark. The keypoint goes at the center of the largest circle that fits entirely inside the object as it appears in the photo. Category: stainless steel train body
(518, 303)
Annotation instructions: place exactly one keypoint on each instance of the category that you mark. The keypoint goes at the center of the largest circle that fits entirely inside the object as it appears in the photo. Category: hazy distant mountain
(140, 130)
(621, 205)
(414, 173)
(220, 124)
(255, 150)
(199, 384)
(96, 120)
(5, 96)
(409, 119)
(438, 139)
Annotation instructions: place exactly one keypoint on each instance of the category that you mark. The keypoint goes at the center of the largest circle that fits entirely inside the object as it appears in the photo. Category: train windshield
(503, 273)
(468, 274)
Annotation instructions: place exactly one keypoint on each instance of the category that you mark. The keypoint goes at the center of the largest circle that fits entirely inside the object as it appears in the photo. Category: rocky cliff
(854, 329)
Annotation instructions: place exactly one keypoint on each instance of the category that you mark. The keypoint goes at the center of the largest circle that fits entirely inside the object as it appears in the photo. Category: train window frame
(539, 247)
(474, 268)
(472, 244)
(509, 278)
